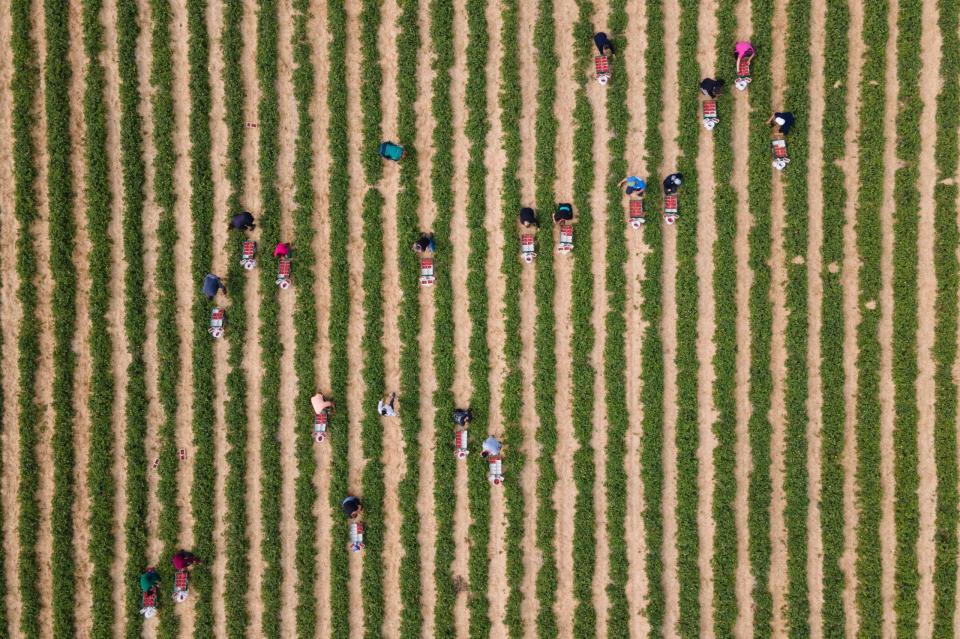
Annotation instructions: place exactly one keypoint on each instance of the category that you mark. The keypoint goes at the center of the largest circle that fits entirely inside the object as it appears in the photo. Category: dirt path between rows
(355, 385)
(319, 41)
(744, 460)
(668, 327)
(221, 188)
(930, 84)
(815, 314)
(706, 347)
(10, 314)
(43, 390)
(885, 334)
(428, 379)
(778, 349)
(636, 542)
(565, 491)
(462, 324)
(287, 109)
(393, 458)
(851, 319)
(496, 332)
(528, 317)
(185, 285)
(81, 390)
(598, 208)
(252, 351)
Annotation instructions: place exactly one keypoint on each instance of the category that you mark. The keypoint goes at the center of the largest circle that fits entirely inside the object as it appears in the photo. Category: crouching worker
(351, 507)
(149, 580)
(184, 560)
(462, 417)
(213, 285)
(491, 447)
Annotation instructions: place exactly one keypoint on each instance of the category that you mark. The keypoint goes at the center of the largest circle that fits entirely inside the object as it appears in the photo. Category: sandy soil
(706, 238)
(636, 543)
(565, 491)
(778, 353)
(251, 359)
(10, 314)
(428, 379)
(355, 385)
(459, 238)
(288, 376)
(744, 460)
(528, 312)
(43, 391)
(81, 394)
(221, 187)
(668, 326)
(598, 206)
(885, 334)
(851, 318)
(394, 458)
(815, 305)
(496, 334)
(318, 37)
(930, 83)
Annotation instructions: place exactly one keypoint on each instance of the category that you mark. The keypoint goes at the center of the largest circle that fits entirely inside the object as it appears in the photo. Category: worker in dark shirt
(242, 222)
(671, 184)
(212, 285)
(351, 507)
(528, 217)
(604, 45)
(710, 87)
(784, 120)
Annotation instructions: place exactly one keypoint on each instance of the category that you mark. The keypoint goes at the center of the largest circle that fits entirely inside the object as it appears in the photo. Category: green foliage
(24, 87)
(370, 84)
(832, 377)
(945, 341)
(869, 202)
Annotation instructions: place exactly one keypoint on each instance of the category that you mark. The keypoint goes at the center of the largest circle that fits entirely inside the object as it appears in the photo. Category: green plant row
(945, 341)
(235, 406)
(441, 177)
(477, 130)
(797, 98)
(272, 348)
(24, 87)
(62, 226)
(370, 85)
(204, 419)
(869, 201)
(168, 338)
(512, 396)
(760, 236)
(100, 481)
(545, 361)
(371, 426)
(832, 377)
(583, 374)
(614, 352)
(725, 199)
(408, 202)
(905, 320)
(651, 393)
(339, 314)
(305, 321)
(687, 300)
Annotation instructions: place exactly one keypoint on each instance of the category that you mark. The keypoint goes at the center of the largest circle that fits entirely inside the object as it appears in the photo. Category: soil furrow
(930, 84)
(252, 356)
(218, 152)
(669, 124)
(459, 241)
(851, 314)
(428, 380)
(11, 314)
(635, 155)
(815, 310)
(741, 140)
(778, 350)
(528, 313)
(706, 347)
(496, 335)
(888, 453)
(393, 451)
(598, 205)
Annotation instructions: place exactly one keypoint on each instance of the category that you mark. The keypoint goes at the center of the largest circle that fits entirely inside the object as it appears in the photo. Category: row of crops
(174, 202)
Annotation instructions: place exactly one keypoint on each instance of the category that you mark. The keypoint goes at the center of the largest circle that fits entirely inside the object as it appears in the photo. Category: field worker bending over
(634, 185)
(710, 87)
(212, 285)
(741, 50)
(184, 560)
(149, 579)
(604, 46)
(491, 447)
(282, 250)
(241, 222)
(425, 243)
(671, 184)
(388, 409)
(528, 217)
(783, 120)
(462, 416)
(351, 507)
